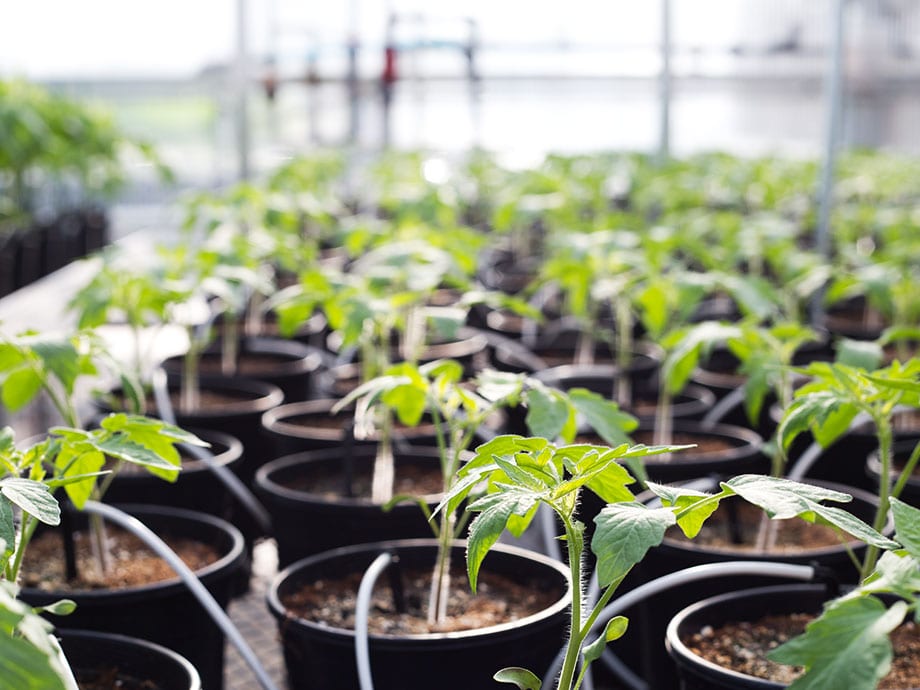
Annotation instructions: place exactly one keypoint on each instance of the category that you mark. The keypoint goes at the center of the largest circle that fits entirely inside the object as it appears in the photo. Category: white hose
(697, 572)
(233, 483)
(218, 615)
(814, 451)
(724, 406)
(362, 611)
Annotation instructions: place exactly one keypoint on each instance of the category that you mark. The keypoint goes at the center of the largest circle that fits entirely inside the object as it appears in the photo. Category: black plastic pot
(195, 488)
(307, 522)
(320, 656)
(290, 365)
(651, 617)
(844, 461)
(311, 425)
(90, 653)
(164, 612)
(469, 348)
(697, 673)
(901, 451)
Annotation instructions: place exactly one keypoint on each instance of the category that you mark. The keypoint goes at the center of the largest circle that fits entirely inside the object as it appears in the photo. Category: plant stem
(230, 346)
(26, 529)
(883, 427)
(573, 646)
(663, 417)
(622, 386)
(440, 578)
(384, 469)
(907, 472)
(190, 397)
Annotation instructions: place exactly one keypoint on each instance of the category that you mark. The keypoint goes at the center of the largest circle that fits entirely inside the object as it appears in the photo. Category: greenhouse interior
(407, 345)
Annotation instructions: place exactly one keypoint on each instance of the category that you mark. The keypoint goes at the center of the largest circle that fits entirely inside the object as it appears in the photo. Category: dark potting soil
(110, 678)
(498, 600)
(410, 479)
(132, 563)
(737, 529)
(743, 647)
(247, 364)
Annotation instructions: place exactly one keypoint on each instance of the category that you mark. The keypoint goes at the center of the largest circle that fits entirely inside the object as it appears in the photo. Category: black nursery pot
(164, 612)
(320, 656)
(672, 555)
(901, 452)
(195, 488)
(697, 673)
(290, 365)
(312, 425)
(93, 654)
(338, 520)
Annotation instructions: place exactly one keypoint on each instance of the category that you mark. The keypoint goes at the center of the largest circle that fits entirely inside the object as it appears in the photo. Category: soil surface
(498, 600)
(739, 532)
(132, 563)
(111, 679)
(410, 479)
(743, 647)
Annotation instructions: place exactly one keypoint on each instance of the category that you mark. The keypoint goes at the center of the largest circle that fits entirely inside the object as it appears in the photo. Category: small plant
(523, 472)
(458, 410)
(848, 645)
(831, 401)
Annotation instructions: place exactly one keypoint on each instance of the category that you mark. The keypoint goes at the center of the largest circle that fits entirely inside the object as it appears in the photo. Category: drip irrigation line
(233, 483)
(200, 592)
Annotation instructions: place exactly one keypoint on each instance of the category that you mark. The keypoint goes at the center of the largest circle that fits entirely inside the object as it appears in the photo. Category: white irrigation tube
(233, 483)
(805, 461)
(697, 572)
(362, 611)
(724, 406)
(200, 592)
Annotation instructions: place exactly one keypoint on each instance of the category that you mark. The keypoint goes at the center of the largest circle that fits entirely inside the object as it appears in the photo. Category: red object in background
(389, 65)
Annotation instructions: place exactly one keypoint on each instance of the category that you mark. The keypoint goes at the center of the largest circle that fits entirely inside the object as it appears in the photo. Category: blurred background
(228, 89)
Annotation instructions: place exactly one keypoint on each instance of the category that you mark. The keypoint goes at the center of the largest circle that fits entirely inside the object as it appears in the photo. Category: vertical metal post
(241, 72)
(664, 140)
(351, 80)
(833, 118)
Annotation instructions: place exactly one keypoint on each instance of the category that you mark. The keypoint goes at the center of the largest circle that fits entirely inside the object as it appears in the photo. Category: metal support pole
(833, 115)
(241, 73)
(664, 140)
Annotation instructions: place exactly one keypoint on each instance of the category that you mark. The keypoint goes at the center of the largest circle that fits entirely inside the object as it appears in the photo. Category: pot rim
(140, 643)
(265, 482)
(273, 421)
(280, 613)
(235, 552)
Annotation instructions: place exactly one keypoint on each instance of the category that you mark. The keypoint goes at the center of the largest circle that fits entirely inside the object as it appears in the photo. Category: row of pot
(295, 507)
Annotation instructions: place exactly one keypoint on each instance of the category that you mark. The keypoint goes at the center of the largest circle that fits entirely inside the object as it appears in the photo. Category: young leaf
(614, 630)
(33, 497)
(681, 498)
(487, 527)
(906, 526)
(604, 416)
(7, 526)
(624, 533)
(19, 388)
(847, 647)
(546, 414)
(515, 675)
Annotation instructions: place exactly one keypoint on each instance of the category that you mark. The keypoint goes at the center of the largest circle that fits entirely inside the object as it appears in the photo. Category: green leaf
(624, 533)
(604, 416)
(614, 630)
(19, 388)
(862, 354)
(847, 647)
(906, 526)
(515, 675)
(681, 499)
(783, 498)
(547, 414)
(124, 448)
(33, 497)
(61, 607)
(7, 526)
(61, 358)
(80, 464)
(488, 526)
(25, 667)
